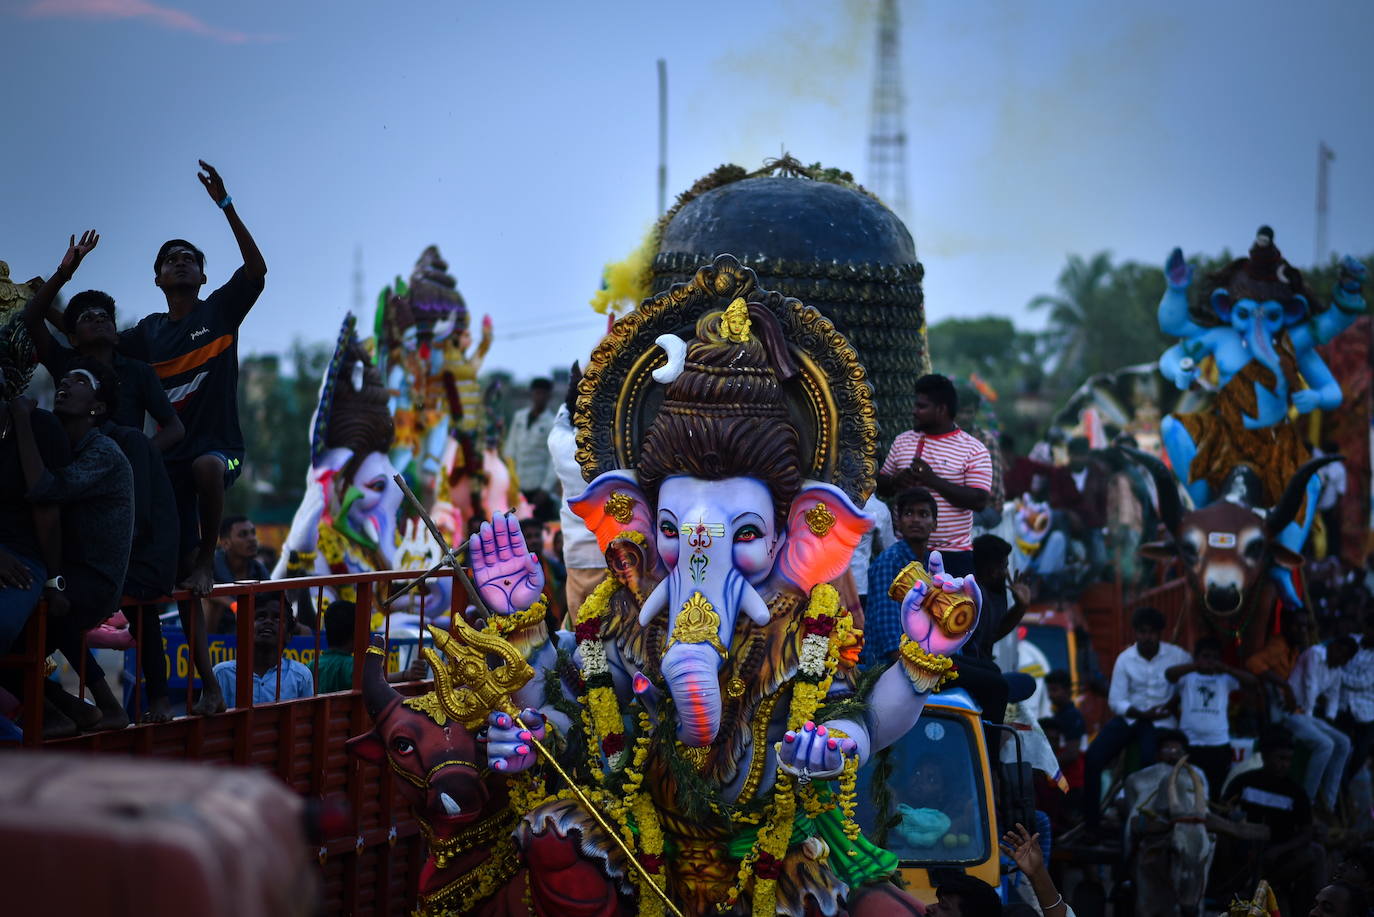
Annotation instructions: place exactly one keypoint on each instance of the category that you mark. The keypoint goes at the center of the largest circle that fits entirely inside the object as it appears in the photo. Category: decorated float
(406, 401)
(692, 746)
(1254, 332)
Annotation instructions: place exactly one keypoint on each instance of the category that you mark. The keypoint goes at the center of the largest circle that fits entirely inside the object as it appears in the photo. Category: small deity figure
(467, 416)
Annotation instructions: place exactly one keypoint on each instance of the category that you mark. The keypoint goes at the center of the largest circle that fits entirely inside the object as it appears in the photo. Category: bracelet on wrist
(225, 203)
(926, 671)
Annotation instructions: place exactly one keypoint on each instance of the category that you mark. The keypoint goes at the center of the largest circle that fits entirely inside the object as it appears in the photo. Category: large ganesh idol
(707, 702)
(1261, 333)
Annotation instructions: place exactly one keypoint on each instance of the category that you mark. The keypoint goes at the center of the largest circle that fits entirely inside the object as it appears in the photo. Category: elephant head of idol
(1259, 297)
(719, 489)
(353, 434)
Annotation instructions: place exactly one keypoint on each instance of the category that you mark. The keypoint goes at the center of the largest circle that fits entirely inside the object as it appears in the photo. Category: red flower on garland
(651, 862)
(588, 630)
(613, 743)
(821, 625)
(767, 866)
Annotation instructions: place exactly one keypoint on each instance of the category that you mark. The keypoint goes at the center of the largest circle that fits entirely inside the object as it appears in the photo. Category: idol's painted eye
(403, 745)
(377, 484)
(747, 533)
(668, 529)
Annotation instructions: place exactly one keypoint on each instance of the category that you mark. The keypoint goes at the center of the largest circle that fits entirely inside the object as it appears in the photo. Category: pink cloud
(167, 18)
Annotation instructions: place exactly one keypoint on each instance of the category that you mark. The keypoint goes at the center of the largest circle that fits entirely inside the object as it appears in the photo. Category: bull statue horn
(1174, 804)
(1199, 794)
(1287, 506)
(377, 694)
(676, 349)
(1170, 507)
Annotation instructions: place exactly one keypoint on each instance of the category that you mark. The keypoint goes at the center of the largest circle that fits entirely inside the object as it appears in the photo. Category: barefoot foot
(209, 704)
(159, 711)
(201, 579)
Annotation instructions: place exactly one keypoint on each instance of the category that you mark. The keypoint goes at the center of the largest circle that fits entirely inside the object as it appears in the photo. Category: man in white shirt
(527, 445)
(1357, 698)
(1141, 697)
(1334, 485)
(1316, 679)
(582, 556)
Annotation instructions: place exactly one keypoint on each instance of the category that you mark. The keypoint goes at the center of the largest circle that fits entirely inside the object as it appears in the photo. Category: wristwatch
(58, 582)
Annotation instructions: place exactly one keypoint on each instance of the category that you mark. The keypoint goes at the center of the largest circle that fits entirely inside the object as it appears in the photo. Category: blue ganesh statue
(1261, 335)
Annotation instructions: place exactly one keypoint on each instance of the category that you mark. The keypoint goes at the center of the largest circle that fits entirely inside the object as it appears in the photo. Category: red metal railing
(31, 659)
(370, 865)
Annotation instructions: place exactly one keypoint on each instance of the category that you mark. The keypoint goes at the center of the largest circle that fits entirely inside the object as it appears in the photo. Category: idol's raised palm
(509, 578)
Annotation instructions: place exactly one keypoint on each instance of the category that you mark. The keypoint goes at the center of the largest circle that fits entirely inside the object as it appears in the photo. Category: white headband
(90, 376)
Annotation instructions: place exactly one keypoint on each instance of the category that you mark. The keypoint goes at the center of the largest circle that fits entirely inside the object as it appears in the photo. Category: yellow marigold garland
(848, 799)
(606, 735)
(606, 729)
(505, 625)
(825, 630)
(527, 791)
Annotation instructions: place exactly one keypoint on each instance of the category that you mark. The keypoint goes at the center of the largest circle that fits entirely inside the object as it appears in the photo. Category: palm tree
(1079, 313)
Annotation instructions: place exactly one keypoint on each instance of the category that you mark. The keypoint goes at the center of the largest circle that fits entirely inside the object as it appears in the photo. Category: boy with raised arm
(193, 347)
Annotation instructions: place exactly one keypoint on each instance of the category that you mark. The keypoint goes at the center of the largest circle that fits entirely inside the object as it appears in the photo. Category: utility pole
(358, 296)
(887, 128)
(662, 136)
(1324, 157)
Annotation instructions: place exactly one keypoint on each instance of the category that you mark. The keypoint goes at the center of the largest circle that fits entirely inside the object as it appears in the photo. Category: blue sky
(521, 138)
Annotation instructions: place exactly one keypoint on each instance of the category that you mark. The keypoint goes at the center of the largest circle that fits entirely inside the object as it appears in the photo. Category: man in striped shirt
(954, 466)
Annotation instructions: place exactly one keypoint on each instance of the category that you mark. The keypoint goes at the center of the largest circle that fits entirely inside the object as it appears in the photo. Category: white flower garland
(814, 650)
(593, 658)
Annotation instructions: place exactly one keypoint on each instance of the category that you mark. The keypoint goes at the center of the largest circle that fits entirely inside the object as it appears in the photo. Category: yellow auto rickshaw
(941, 812)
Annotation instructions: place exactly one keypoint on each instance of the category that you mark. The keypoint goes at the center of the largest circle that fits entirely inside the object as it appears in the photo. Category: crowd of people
(95, 509)
(116, 497)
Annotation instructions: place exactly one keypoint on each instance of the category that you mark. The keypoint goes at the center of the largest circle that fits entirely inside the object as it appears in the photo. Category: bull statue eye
(1189, 552)
(403, 746)
(1254, 548)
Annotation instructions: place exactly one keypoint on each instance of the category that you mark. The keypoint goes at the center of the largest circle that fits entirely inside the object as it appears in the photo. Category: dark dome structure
(829, 244)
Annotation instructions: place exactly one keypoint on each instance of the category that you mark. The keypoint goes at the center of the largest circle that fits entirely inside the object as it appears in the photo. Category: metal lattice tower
(887, 128)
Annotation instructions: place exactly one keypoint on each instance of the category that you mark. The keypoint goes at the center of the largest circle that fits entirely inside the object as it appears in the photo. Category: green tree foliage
(1101, 318)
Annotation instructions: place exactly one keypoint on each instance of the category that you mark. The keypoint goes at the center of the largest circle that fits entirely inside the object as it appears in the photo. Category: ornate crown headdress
(822, 390)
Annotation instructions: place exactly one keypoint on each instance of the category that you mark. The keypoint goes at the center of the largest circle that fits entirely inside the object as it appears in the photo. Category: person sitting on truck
(1205, 686)
(1141, 696)
(271, 623)
(1292, 861)
(1059, 690)
(236, 560)
(335, 669)
(914, 517)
